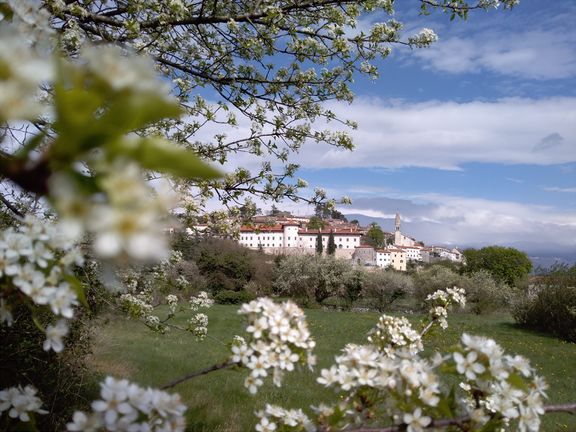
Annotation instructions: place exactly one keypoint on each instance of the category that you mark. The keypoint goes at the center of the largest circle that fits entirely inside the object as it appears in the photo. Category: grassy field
(218, 402)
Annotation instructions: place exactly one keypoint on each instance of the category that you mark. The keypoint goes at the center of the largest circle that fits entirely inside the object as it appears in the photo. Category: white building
(413, 253)
(290, 238)
(391, 257)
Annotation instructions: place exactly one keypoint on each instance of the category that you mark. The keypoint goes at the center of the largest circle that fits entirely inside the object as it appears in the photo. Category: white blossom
(20, 402)
(54, 335)
(126, 406)
(279, 340)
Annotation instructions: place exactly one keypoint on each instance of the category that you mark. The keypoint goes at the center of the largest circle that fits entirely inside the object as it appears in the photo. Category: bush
(484, 294)
(226, 265)
(382, 288)
(312, 279)
(553, 308)
(336, 303)
(233, 297)
(432, 279)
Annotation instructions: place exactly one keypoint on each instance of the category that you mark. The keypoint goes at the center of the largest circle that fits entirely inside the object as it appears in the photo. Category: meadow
(219, 402)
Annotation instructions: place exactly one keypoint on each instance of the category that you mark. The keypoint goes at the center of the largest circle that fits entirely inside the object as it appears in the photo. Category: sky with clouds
(472, 140)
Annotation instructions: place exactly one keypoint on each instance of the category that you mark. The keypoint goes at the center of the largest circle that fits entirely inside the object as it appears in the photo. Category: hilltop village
(287, 234)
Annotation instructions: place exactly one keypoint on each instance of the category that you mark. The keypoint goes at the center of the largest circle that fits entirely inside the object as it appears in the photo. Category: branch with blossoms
(140, 304)
(464, 422)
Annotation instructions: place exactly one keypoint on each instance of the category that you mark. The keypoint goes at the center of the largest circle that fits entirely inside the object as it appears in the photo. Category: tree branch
(225, 365)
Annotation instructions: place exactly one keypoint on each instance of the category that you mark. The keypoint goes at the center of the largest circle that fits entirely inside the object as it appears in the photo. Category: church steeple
(397, 233)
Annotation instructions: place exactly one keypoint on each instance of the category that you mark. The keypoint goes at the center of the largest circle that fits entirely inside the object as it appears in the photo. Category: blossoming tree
(88, 122)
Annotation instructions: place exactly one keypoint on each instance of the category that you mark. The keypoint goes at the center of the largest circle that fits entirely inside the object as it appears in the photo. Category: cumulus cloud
(445, 135)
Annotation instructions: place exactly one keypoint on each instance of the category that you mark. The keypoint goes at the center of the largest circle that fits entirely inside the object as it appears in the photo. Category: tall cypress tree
(319, 245)
(331, 244)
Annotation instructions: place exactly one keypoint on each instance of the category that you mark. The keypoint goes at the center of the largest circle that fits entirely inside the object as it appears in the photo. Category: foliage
(507, 265)
(233, 297)
(374, 236)
(552, 307)
(314, 279)
(484, 294)
(381, 288)
(433, 278)
(316, 222)
(331, 249)
(228, 266)
(319, 244)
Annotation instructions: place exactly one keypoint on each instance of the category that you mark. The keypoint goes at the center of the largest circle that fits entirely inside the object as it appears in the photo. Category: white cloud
(560, 189)
(447, 219)
(534, 54)
(445, 135)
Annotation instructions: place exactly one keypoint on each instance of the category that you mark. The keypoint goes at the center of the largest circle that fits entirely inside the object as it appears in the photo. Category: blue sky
(474, 139)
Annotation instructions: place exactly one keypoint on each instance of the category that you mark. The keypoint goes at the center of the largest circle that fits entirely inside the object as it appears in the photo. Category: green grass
(218, 402)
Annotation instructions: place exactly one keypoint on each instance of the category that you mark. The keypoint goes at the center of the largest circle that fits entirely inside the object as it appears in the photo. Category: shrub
(382, 288)
(483, 293)
(218, 281)
(336, 303)
(312, 279)
(432, 279)
(553, 308)
(233, 297)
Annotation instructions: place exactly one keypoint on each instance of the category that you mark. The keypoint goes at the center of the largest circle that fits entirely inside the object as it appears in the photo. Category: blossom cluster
(126, 217)
(202, 300)
(137, 306)
(423, 39)
(442, 300)
(23, 68)
(35, 260)
(198, 324)
(125, 406)
(274, 416)
(403, 380)
(279, 339)
(499, 384)
(20, 403)
(130, 222)
(392, 333)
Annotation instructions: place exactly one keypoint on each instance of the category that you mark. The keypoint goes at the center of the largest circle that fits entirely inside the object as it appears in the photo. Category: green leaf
(492, 425)
(130, 111)
(163, 156)
(37, 323)
(517, 381)
(78, 289)
(6, 11)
